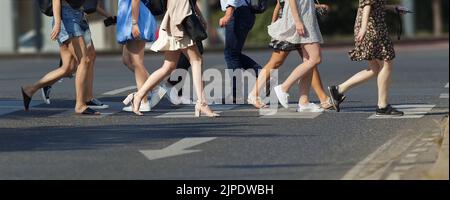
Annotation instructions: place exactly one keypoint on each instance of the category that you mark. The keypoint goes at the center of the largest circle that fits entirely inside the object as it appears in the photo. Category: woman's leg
(135, 53)
(317, 86)
(196, 60)
(170, 64)
(54, 76)
(78, 49)
(384, 83)
(305, 88)
(360, 77)
(90, 77)
(314, 54)
(276, 60)
(305, 81)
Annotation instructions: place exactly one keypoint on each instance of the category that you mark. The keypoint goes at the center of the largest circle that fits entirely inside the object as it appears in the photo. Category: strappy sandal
(327, 105)
(255, 101)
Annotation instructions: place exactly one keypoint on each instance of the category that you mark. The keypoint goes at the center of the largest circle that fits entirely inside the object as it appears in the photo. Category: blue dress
(147, 23)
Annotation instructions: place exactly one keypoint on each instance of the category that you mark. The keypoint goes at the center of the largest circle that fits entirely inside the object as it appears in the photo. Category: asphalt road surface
(50, 142)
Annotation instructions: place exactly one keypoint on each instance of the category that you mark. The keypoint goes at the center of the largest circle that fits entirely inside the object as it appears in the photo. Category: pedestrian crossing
(412, 111)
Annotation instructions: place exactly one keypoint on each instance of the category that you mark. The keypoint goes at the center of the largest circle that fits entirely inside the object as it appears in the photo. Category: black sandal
(90, 111)
(26, 100)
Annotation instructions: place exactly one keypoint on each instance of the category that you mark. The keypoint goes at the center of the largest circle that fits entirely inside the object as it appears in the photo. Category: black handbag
(90, 6)
(46, 8)
(193, 27)
(157, 7)
(257, 6)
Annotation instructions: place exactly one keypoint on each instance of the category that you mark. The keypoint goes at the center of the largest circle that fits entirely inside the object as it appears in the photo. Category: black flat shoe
(336, 97)
(26, 100)
(89, 111)
(389, 111)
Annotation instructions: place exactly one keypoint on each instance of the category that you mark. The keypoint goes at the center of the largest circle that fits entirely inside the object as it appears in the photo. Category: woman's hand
(56, 30)
(326, 7)
(136, 32)
(300, 27)
(361, 35)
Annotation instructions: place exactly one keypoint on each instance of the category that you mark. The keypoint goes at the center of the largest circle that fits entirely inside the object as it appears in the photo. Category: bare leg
(196, 61)
(275, 62)
(78, 48)
(360, 77)
(90, 77)
(135, 56)
(170, 64)
(55, 75)
(384, 83)
(318, 86)
(305, 81)
(314, 53)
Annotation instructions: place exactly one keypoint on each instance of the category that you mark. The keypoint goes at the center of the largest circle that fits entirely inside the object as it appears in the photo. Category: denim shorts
(73, 24)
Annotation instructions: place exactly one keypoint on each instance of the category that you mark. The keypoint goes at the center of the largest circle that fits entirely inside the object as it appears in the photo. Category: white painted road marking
(121, 90)
(444, 96)
(179, 148)
(411, 112)
(290, 113)
(446, 86)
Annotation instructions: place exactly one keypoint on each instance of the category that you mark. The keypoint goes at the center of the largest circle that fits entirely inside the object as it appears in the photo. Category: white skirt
(170, 43)
(284, 29)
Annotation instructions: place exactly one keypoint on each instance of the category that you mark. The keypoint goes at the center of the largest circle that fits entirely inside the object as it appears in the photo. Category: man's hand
(224, 21)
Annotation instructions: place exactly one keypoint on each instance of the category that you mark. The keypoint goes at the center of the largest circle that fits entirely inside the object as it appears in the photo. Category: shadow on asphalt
(97, 137)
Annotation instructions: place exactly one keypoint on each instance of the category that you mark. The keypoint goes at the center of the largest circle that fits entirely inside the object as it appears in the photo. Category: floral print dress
(376, 44)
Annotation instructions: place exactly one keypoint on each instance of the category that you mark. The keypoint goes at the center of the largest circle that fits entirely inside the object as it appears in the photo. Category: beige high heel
(256, 102)
(202, 108)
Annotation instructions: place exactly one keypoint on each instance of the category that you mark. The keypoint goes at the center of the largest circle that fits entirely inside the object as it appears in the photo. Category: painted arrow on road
(179, 148)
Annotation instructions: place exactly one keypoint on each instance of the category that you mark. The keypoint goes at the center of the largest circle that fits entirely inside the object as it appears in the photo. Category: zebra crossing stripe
(444, 96)
(413, 111)
(290, 113)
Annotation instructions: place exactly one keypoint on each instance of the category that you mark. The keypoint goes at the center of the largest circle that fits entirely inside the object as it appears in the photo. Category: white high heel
(199, 110)
(129, 99)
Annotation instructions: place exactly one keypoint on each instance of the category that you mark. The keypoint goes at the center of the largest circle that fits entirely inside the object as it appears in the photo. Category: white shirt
(234, 3)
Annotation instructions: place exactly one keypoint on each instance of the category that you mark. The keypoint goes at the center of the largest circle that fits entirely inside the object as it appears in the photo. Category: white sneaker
(283, 97)
(45, 91)
(311, 107)
(145, 107)
(186, 101)
(157, 95)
